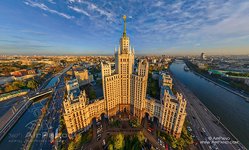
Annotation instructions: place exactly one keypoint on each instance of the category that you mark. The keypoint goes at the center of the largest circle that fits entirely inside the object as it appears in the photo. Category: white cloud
(52, 1)
(79, 10)
(94, 8)
(46, 8)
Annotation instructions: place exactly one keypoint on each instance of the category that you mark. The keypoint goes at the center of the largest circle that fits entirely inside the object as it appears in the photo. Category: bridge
(40, 93)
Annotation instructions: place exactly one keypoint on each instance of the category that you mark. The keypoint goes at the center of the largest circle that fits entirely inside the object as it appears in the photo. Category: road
(45, 136)
(206, 126)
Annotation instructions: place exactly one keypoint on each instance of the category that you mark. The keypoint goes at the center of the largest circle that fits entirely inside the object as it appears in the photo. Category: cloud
(78, 10)
(52, 1)
(46, 8)
(151, 24)
(94, 8)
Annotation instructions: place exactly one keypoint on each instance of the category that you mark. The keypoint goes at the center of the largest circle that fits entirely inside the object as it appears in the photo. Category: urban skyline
(74, 27)
(124, 75)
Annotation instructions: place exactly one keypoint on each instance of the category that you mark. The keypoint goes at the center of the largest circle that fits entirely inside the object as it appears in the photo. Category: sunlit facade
(124, 89)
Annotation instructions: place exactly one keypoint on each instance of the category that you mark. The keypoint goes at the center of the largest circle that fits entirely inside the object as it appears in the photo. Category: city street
(46, 135)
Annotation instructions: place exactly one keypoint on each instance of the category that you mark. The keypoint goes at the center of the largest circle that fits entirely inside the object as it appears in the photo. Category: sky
(94, 27)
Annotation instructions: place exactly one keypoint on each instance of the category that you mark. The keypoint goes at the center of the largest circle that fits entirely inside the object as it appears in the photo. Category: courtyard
(123, 131)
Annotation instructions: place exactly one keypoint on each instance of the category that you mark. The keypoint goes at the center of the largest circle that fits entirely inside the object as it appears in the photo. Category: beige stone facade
(124, 90)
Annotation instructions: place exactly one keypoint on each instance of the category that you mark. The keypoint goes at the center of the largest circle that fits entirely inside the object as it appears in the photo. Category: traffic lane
(207, 118)
(195, 112)
(8, 104)
(196, 129)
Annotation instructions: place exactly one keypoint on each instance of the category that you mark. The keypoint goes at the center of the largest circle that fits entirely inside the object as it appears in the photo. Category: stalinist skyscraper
(124, 90)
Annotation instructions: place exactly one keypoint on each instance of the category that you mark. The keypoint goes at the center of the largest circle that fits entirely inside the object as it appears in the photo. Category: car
(166, 147)
(98, 137)
(189, 129)
(99, 131)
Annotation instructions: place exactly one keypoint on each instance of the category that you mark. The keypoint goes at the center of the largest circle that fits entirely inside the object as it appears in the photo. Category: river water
(232, 109)
(16, 136)
(52, 82)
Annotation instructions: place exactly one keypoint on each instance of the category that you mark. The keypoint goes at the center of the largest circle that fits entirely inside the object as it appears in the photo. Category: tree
(32, 84)
(180, 144)
(110, 147)
(9, 88)
(71, 146)
(78, 141)
(119, 141)
(92, 93)
(140, 137)
(19, 84)
(173, 141)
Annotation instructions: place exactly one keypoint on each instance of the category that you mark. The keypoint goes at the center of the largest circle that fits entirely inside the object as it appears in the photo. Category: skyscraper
(125, 91)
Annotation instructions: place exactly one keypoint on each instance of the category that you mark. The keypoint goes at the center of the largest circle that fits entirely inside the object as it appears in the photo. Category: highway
(45, 136)
(46, 133)
(208, 129)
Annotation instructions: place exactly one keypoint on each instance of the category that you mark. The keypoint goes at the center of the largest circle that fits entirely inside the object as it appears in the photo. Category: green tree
(110, 147)
(92, 93)
(119, 141)
(180, 144)
(140, 137)
(71, 146)
(19, 84)
(32, 84)
(78, 141)
(9, 88)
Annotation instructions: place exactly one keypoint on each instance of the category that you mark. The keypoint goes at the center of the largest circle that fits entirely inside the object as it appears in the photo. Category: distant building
(29, 72)
(154, 61)
(203, 56)
(201, 65)
(165, 80)
(83, 77)
(125, 91)
(72, 85)
(16, 73)
(4, 80)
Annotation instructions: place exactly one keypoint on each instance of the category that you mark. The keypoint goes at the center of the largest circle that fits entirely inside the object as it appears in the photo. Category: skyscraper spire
(124, 33)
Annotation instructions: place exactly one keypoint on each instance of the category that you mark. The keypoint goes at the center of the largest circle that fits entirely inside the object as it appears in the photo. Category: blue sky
(93, 27)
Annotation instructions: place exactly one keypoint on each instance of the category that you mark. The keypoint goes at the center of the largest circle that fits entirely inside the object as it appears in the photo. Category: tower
(124, 67)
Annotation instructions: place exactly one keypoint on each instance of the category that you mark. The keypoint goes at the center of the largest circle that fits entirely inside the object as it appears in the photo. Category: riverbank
(206, 120)
(12, 118)
(30, 139)
(230, 89)
(231, 109)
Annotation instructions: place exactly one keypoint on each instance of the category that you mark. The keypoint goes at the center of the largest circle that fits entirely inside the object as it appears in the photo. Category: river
(232, 109)
(16, 136)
